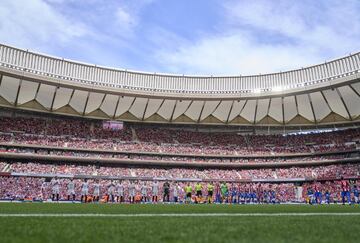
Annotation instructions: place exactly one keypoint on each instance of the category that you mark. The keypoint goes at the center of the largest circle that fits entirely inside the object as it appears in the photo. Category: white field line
(66, 215)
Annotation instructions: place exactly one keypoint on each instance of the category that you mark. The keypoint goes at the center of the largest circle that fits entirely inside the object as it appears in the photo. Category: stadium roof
(327, 93)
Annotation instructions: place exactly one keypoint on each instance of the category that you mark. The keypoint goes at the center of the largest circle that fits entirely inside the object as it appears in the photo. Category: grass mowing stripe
(178, 215)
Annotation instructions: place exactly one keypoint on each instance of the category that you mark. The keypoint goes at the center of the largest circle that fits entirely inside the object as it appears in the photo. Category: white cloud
(266, 15)
(34, 23)
(252, 37)
(123, 16)
(128, 15)
(85, 30)
(268, 36)
(310, 24)
(232, 54)
(124, 19)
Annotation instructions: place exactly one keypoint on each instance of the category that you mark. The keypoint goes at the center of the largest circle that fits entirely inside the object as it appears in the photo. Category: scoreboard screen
(113, 125)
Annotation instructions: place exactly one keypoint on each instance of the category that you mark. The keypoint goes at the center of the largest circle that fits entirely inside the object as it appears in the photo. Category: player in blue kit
(356, 195)
(327, 197)
(318, 195)
(266, 197)
(250, 196)
(240, 196)
(253, 197)
(273, 196)
(246, 197)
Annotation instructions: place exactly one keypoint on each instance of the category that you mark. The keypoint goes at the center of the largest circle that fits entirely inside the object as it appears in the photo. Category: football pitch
(52, 222)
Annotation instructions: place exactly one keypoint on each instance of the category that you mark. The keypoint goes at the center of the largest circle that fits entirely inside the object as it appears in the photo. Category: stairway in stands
(135, 138)
(6, 168)
(247, 142)
(132, 173)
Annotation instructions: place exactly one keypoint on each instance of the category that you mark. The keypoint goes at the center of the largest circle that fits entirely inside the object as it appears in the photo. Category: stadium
(90, 152)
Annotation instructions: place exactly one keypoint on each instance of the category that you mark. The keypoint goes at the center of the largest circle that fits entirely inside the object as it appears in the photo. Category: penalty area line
(65, 215)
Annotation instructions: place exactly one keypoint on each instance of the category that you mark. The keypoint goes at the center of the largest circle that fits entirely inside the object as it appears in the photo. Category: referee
(198, 189)
(210, 189)
(166, 187)
(188, 191)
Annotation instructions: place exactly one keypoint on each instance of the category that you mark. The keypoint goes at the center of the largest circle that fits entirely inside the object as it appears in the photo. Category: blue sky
(201, 37)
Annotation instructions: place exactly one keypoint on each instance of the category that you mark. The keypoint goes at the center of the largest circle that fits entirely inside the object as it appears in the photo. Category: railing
(93, 75)
(8, 146)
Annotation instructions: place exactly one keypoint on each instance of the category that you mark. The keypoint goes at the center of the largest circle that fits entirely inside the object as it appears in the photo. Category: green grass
(302, 229)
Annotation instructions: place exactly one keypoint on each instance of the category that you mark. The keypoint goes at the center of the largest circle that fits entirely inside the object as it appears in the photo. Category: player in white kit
(119, 192)
(71, 190)
(84, 191)
(155, 191)
(55, 188)
(144, 189)
(176, 189)
(96, 193)
(132, 191)
(110, 192)
(43, 190)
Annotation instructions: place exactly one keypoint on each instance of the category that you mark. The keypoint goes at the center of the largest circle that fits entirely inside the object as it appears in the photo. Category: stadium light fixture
(257, 91)
(278, 88)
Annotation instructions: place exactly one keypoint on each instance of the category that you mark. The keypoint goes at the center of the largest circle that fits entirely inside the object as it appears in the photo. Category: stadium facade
(47, 151)
(324, 94)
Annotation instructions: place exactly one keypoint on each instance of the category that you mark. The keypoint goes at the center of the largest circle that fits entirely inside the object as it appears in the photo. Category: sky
(191, 37)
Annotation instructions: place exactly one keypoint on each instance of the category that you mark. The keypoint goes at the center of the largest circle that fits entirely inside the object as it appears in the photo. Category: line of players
(219, 193)
(138, 192)
(316, 196)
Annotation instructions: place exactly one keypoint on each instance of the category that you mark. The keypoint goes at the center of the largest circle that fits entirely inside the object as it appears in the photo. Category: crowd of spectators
(90, 134)
(156, 157)
(316, 172)
(176, 148)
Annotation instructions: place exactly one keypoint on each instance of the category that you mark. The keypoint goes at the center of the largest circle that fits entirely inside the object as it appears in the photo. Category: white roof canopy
(322, 94)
